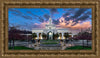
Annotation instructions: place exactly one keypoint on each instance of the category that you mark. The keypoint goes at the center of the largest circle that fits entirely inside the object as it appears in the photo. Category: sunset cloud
(41, 25)
(63, 24)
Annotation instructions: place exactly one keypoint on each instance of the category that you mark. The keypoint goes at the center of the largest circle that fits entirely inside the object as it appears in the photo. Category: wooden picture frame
(4, 5)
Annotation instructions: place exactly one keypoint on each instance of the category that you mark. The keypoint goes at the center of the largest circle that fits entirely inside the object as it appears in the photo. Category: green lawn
(20, 48)
(50, 43)
(50, 40)
(78, 48)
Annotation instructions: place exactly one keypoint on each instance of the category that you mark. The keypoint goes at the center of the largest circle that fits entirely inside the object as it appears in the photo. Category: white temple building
(50, 29)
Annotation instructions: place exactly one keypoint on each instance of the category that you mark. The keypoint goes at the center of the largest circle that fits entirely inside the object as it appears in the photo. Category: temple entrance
(50, 35)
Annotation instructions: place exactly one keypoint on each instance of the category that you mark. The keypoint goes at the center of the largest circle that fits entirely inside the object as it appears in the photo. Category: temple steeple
(50, 20)
(50, 25)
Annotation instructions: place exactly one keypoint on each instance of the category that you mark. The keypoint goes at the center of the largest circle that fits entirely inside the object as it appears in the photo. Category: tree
(56, 35)
(34, 35)
(44, 35)
(84, 36)
(13, 35)
(87, 36)
(16, 34)
(66, 35)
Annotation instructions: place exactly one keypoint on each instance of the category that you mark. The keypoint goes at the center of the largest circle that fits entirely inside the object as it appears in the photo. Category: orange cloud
(36, 24)
(43, 24)
(63, 24)
(74, 29)
(83, 25)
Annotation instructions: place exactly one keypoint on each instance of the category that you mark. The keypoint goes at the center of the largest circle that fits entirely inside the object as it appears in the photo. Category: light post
(26, 36)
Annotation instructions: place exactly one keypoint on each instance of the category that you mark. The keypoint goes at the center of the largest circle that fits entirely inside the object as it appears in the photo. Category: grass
(20, 48)
(50, 40)
(78, 48)
(50, 43)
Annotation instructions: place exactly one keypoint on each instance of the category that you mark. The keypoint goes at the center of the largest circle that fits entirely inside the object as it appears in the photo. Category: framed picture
(58, 28)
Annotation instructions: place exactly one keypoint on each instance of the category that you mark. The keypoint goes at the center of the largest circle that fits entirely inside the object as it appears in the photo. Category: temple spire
(50, 20)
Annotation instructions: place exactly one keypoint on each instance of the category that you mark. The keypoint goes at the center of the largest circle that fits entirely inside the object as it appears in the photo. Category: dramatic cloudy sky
(72, 19)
